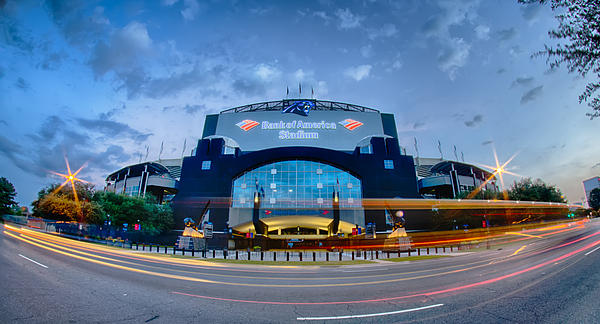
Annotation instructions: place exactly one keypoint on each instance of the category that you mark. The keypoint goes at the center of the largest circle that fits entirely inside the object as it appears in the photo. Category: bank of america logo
(351, 124)
(247, 124)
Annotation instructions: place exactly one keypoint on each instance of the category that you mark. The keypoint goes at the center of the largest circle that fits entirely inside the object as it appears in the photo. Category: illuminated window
(367, 149)
(297, 187)
(206, 165)
(228, 150)
(388, 164)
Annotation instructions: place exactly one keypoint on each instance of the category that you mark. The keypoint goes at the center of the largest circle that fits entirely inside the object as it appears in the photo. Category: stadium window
(367, 149)
(228, 150)
(206, 165)
(388, 164)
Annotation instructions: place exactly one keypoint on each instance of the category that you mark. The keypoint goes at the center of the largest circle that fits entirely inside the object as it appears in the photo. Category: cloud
(453, 56)
(123, 50)
(322, 15)
(501, 70)
(78, 27)
(267, 72)
(191, 10)
(597, 165)
(454, 51)
(477, 119)
(387, 30)
(358, 72)
(418, 125)
(522, 81)
(487, 142)
(531, 95)
(348, 20)
(530, 11)
(366, 51)
(189, 109)
(482, 32)
(3, 122)
(22, 84)
(47, 147)
(507, 34)
(111, 128)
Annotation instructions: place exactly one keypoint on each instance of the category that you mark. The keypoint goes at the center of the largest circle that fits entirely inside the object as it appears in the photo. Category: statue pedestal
(190, 243)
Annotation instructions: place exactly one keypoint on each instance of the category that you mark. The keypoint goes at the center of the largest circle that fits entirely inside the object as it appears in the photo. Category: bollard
(224, 254)
(236, 254)
(144, 247)
(183, 251)
(137, 246)
(398, 253)
(340, 256)
(262, 255)
(450, 248)
(388, 254)
(249, 253)
(408, 251)
(365, 255)
(300, 256)
(214, 253)
(165, 249)
(444, 249)
(436, 250)
(419, 251)
(275, 256)
(287, 256)
(314, 256)
(174, 249)
(427, 251)
(376, 254)
(352, 255)
(327, 256)
(193, 250)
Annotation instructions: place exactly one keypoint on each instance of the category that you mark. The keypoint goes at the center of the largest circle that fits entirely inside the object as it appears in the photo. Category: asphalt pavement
(547, 275)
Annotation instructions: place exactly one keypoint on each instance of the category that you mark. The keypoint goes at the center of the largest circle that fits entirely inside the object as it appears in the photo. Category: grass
(292, 263)
(415, 258)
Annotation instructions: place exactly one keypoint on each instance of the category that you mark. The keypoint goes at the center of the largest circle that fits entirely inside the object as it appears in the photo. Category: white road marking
(366, 315)
(593, 250)
(365, 270)
(26, 258)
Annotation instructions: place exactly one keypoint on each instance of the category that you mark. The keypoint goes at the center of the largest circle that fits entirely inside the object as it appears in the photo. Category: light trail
(519, 250)
(366, 315)
(523, 234)
(424, 294)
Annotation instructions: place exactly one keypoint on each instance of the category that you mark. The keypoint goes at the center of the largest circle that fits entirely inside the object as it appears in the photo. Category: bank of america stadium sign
(298, 129)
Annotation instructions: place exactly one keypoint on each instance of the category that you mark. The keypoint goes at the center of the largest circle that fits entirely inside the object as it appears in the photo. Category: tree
(594, 200)
(579, 30)
(529, 190)
(7, 196)
(121, 209)
(60, 204)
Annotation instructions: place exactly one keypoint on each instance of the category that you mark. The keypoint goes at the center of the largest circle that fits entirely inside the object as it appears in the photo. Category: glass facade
(296, 186)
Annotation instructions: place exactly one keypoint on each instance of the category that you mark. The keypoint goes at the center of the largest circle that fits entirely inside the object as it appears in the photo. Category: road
(549, 275)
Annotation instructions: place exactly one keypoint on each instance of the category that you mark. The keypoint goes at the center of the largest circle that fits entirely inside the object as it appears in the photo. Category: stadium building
(158, 178)
(439, 178)
(295, 168)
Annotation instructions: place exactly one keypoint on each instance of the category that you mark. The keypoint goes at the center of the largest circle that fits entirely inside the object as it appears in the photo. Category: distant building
(589, 185)
(447, 179)
(159, 178)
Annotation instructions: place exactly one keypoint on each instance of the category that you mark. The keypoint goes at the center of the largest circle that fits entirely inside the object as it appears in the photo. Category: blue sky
(100, 80)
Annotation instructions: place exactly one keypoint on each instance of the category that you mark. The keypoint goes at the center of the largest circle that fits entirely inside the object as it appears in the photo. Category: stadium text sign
(296, 129)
